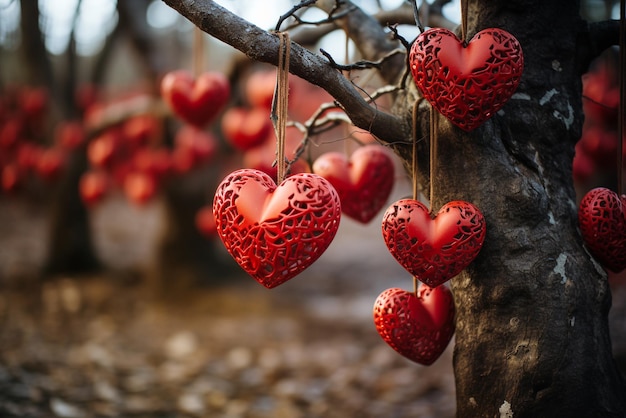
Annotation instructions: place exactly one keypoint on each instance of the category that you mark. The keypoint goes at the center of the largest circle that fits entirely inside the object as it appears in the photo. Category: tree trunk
(532, 336)
(186, 258)
(532, 333)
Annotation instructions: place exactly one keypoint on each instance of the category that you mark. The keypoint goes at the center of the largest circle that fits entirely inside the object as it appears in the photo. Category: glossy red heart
(195, 100)
(420, 326)
(433, 250)
(275, 232)
(364, 181)
(602, 219)
(467, 83)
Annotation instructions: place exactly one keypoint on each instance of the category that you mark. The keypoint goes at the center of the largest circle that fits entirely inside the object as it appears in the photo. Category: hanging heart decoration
(467, 82)
(418, 326)
(433, 250)
(363, 182)
(195, 100)
(602, 219)
(275, 232)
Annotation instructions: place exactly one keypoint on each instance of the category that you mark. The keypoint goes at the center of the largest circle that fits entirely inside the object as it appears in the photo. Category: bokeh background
(116, 296)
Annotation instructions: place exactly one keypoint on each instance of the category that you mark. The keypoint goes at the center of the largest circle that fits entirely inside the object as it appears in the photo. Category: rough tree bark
(532, 336)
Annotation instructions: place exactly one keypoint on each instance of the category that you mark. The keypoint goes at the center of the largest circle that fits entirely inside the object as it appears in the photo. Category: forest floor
(104, 345)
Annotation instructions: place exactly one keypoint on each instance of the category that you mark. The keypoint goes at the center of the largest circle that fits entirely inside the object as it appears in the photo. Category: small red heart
(363, 182)
(467, 83)
(196, 101)
(602, 219)
(433, 250)
(275, 232)
(417, 326)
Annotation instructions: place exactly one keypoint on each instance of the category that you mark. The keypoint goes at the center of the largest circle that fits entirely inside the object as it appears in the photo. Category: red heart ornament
(275, 232)
(602, 219)
(196, 101)
(363, 182)
(433, 250)
(418, 326)
(467, 83)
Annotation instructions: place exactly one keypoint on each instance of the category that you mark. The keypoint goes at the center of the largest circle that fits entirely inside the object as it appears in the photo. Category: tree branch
(402, 15)
(259, 45)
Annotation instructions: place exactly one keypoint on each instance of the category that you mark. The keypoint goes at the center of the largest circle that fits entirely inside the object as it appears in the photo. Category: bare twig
(332, 17)
(291, 13)
(363, 64)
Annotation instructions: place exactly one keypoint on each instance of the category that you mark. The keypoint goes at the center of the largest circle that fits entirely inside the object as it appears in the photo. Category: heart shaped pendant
(275, 232)
(467, 83)
(433, 250)
(363, 182)
(602, 219)
(195, 100)
(418, 326)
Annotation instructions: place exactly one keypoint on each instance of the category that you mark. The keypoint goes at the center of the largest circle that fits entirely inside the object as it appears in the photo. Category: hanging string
(280, 104)
(433, 153)
(414, 154)
(198, 51)
(346, 73)
(621, 128)
(464, 21)
(414, 171)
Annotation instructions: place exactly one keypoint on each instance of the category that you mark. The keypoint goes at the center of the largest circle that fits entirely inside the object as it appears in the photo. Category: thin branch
(416, 15)
(259, 45)
(363, 64)
(371, 39)
(402, 15)
(291, 13)
(332, 17)
(407, 47)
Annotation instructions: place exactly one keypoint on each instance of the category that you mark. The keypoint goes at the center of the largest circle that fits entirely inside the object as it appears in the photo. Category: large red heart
(602, 219)
(433, 250)
(417, 326)
(195, 100)
(467, 83)
(275, 232)
(363, 182)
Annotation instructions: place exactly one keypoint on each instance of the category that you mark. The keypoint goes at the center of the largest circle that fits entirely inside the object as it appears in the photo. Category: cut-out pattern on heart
(433, 250)
(275, 232)
(602, 219)
(469, 83)
(195, 100)
(364, 181)
(420, 326)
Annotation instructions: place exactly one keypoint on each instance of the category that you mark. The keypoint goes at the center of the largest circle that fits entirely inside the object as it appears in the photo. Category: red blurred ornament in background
(363, 181)
(196, 101)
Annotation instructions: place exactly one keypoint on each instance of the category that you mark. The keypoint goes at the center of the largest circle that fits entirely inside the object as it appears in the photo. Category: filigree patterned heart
(275, 232)
(433, 250)
(467, 83)
(420, 326)
(364, 181)
(602, 219)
